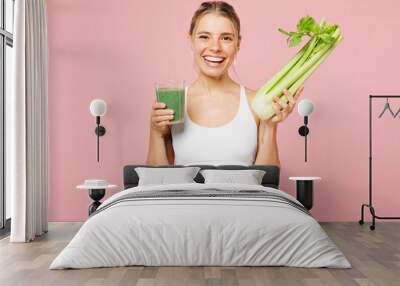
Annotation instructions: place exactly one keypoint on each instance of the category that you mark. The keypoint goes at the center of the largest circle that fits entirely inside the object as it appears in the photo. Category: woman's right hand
(161, 118)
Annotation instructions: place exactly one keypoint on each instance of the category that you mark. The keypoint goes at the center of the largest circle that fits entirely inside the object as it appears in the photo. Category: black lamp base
(304, 193)
(100, 130)
(303, 130)
(96, 195)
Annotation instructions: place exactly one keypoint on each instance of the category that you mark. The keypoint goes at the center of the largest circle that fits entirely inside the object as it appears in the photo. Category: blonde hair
(220, 7)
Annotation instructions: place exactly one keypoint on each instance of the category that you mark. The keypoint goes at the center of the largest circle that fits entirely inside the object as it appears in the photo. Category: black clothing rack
(370, 205)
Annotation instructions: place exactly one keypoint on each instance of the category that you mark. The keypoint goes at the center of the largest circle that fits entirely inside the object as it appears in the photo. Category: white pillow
(248, 177)
(162, 176)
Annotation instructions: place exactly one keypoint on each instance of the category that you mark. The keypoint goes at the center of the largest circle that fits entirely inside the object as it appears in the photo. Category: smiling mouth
(213, 61)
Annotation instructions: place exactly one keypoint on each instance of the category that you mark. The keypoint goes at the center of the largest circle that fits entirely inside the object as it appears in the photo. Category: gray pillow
(248, 177)
(162, 176)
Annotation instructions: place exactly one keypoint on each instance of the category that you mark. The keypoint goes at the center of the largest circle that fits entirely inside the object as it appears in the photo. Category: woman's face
(215, 43)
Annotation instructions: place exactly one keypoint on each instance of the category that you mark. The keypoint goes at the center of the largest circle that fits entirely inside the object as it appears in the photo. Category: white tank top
(234, 143)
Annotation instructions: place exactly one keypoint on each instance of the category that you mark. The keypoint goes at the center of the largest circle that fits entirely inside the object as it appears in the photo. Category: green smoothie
(174, 98)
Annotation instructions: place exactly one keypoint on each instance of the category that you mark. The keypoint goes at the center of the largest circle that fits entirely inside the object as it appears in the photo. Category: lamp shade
(98, 107)
(305, 107)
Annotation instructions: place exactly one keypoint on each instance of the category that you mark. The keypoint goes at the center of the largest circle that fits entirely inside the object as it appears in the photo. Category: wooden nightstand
(304, 190)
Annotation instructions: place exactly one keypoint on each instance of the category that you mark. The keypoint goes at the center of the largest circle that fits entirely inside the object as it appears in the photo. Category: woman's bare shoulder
(250, 94)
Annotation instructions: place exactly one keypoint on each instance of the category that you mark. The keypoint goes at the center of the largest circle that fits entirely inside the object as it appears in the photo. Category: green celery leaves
(307, 26)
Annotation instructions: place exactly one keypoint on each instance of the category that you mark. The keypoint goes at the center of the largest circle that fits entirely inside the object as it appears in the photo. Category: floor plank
(374, 255)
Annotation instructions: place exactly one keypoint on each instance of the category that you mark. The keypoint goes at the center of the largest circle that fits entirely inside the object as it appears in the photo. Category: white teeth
(214, 59)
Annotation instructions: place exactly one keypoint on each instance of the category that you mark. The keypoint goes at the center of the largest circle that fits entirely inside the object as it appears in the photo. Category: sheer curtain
(26, 123)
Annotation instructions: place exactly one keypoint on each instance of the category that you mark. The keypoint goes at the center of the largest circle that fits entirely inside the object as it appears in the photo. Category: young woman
(219, 125)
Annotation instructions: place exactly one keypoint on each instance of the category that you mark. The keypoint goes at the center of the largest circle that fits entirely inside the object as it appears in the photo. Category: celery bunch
(324, 37)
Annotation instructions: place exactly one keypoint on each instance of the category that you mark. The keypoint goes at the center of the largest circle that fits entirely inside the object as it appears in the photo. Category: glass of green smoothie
(172, 93)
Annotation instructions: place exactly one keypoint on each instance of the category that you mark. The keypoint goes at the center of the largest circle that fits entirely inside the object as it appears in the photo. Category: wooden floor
(374, 255)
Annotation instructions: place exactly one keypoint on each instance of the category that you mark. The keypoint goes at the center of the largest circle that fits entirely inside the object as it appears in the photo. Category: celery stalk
(304, 72)
(306, 75)
(260, 100)
(308, 52)
(324, 38)
(266, 87)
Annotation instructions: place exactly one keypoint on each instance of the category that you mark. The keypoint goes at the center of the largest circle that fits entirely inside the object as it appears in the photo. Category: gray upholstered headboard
(270, 179)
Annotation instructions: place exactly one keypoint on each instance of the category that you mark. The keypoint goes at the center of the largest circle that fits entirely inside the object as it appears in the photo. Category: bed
(201, 224)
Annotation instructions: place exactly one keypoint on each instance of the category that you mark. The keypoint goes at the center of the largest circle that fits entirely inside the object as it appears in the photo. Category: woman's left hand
(283, 109)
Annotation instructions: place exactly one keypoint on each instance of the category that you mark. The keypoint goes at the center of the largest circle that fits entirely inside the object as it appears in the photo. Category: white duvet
(200, 231)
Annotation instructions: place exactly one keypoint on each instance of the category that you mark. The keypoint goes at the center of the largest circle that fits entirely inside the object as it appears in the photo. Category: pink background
(116, 50)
